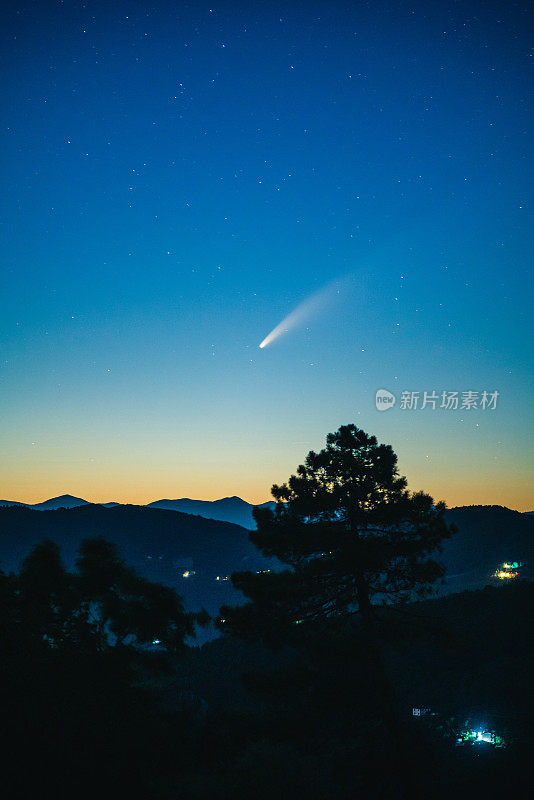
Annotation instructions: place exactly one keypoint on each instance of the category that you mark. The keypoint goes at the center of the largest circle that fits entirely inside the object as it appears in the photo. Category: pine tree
(351, 535)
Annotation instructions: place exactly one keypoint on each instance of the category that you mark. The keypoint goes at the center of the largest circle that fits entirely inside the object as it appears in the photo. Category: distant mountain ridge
(227, 509)
(62, 501)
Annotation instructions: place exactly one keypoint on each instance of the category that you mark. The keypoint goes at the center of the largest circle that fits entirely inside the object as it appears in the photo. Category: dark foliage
(74, 671)
(235, 720)
(351, 534)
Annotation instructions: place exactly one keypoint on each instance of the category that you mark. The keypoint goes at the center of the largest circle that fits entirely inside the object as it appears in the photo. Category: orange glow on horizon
(140, 474)
(517, 497)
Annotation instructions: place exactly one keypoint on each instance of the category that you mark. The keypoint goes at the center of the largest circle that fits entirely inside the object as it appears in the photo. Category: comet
(307, 308)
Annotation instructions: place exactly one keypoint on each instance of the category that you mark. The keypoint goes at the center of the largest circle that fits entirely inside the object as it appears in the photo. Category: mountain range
(190, 551)
(227, 509)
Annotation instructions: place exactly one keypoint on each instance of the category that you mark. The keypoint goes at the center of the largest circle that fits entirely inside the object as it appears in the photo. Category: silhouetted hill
(63, 501)
(160, 544)
(227, 509)
(487, 536)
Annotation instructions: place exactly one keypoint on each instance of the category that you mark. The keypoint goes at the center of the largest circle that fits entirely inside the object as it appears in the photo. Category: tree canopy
(350, 533)
(103, 604)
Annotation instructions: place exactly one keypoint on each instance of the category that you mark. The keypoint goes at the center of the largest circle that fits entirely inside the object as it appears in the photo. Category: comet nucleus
(311, 305)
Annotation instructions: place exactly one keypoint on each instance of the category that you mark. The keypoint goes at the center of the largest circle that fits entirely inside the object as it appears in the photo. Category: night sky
(177, 178)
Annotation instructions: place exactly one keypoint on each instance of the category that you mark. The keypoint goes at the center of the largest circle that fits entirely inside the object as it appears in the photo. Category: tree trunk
(362, 593)
(380, 685)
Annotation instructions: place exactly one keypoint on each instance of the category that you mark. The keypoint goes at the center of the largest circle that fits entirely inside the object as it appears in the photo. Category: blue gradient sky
(177, 179)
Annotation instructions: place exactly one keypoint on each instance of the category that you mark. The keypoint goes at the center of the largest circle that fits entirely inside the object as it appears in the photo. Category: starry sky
(179, 177)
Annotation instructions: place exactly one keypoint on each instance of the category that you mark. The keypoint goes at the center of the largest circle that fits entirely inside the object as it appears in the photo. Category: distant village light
(508, 570)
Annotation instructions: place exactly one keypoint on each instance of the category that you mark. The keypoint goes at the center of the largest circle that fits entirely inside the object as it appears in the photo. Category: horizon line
(229, 497)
